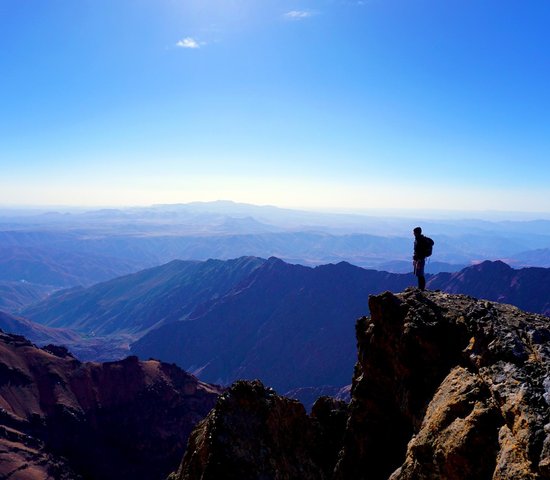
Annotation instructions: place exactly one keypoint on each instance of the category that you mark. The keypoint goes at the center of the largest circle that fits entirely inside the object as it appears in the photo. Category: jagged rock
(446, 387)
(329, 416)
(252, 433)
(58, 351)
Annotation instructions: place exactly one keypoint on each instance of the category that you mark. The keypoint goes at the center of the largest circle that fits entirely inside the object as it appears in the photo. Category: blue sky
(337, 104)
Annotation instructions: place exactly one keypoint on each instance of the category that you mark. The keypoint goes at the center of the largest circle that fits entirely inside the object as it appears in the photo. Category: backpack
(426, 246)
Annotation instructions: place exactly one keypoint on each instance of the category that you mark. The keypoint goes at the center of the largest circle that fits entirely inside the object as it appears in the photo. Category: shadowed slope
(291, 326)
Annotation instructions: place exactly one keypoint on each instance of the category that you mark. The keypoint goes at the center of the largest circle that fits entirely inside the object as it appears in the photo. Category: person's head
(417, 231)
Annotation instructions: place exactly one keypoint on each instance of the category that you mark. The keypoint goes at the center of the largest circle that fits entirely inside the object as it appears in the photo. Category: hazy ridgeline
(85, 247)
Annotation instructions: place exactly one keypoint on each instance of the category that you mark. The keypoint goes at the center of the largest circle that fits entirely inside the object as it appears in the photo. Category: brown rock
(448, 387)
(62, 419)
(459, 435)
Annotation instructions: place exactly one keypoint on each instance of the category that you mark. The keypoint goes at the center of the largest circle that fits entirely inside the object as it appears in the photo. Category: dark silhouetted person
(422, 249)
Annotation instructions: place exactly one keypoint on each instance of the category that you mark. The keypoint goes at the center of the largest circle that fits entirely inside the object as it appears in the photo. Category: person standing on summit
(422, 249)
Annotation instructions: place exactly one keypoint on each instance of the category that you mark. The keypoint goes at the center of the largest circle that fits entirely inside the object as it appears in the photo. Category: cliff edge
(445, 387)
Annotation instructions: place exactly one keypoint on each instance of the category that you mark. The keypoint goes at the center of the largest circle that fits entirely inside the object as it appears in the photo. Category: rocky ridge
(445, 387)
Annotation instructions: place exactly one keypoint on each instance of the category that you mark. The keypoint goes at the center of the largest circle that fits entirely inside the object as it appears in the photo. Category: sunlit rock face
(445, 387)
(448, 386)
(63, 419)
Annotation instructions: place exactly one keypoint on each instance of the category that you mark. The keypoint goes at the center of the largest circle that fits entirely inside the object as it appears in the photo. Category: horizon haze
(9, 210)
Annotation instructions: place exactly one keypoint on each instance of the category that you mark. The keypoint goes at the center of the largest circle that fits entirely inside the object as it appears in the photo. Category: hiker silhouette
(422, 249)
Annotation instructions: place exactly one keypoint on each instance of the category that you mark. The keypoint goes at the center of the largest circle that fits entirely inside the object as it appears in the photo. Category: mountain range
(526, 288)
(250, 317)
(288, 324)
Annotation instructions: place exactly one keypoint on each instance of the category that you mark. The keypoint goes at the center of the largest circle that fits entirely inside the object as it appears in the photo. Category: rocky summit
(61, 419)
(446, 387)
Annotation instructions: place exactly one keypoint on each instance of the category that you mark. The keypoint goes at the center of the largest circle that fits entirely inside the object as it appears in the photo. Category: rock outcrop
(61, 419)
(446, 387)
(253, 433)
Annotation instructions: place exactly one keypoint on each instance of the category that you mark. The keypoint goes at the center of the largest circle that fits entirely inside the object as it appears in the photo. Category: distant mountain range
(46, 247)
(539, 257)
(57, 267)
(245, 318)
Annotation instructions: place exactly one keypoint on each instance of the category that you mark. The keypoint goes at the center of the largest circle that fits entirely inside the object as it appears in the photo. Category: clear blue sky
(327, 103)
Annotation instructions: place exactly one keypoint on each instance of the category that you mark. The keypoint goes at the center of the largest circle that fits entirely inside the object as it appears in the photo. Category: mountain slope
(16, 295)
(287, 324)
(101, 349)
(61, 419)
(135, 303)
(35, 332)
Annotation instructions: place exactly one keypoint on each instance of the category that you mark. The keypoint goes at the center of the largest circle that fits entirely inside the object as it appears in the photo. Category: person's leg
(419, 271)
(422, 282)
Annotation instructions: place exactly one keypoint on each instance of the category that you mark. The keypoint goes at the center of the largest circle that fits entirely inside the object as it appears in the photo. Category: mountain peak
(493, 265)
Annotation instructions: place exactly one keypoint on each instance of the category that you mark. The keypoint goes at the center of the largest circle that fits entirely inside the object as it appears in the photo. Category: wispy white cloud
(188, 42)
(298, 14)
